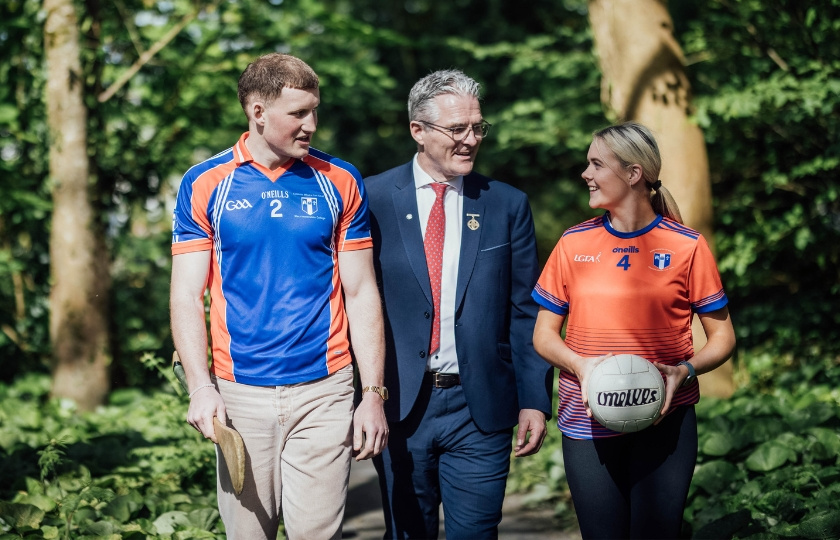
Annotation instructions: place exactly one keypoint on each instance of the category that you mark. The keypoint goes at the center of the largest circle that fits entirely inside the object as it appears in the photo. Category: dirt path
(364, 521)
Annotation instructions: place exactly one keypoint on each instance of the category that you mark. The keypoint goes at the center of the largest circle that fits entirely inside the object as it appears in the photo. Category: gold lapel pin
(473, 223)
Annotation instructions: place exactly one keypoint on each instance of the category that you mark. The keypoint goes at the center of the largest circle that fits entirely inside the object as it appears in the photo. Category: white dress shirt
(445, 359)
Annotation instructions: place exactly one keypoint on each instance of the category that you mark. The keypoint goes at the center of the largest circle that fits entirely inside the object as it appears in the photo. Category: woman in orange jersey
(629, 282)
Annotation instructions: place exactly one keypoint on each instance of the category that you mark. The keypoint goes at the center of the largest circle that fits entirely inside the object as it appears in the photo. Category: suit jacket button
(422, 354)
(427, 314)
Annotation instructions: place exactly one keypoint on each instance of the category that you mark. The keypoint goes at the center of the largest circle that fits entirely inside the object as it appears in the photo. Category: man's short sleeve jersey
(627, 293)
(276, 308)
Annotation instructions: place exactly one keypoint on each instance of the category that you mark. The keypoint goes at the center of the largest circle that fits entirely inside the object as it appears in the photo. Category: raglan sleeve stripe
(706, 291)
(354, 226)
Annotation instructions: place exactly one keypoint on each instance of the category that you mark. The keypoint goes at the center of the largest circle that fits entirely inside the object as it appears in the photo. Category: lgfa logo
(588, 258)
(238, 205)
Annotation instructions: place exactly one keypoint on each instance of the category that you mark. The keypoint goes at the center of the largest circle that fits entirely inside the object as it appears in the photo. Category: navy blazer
(495, 314)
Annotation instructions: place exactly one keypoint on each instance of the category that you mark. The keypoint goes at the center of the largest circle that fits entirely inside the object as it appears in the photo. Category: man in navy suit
(456, 261)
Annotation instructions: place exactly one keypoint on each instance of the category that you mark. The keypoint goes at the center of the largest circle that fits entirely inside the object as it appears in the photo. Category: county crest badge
(661, 261)
(309, 205)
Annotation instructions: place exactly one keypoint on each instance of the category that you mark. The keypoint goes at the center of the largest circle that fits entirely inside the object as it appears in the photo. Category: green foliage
(767, 79)
(24, 199)
(768, 462)
(540, 82)
(132, 469)
(542, 477)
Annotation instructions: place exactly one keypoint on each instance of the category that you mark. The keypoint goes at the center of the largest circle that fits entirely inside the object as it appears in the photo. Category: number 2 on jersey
(275, 208)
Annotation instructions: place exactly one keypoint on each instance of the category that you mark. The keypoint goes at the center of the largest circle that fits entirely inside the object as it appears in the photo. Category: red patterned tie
(433, 243)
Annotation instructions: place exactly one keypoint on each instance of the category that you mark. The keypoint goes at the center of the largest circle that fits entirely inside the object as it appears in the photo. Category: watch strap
(381, 390)
(692, 374)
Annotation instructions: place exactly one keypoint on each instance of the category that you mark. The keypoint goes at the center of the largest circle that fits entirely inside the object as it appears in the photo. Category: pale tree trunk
(644, 80)
(78, 257)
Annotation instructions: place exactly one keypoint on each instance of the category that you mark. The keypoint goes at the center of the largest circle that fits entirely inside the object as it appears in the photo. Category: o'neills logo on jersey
(275, 194)
(631, 249)
(238, 205)
(588, 258)
(309, 205)
(628, 398)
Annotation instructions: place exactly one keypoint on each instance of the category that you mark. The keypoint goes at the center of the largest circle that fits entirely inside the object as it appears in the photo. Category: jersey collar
(632, 234)
(241, 152)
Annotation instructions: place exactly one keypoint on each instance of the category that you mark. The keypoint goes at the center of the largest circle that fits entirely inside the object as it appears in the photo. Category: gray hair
(421, 104)
(633, 143)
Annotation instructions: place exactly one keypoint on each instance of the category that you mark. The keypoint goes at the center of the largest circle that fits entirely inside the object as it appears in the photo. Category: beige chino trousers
(298, 444)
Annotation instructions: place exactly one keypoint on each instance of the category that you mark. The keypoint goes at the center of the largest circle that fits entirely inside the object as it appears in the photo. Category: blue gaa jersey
(276, 307)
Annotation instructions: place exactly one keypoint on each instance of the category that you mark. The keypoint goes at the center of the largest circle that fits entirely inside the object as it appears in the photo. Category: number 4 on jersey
(624, 262)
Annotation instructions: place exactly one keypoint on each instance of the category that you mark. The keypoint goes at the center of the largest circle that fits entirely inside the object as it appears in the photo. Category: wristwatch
(381, 390)
(691, 373)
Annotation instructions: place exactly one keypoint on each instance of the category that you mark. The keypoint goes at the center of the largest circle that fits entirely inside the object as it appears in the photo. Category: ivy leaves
(133, 469)
(769, 464)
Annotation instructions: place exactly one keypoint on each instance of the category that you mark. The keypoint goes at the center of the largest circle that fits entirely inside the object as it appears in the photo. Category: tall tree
(79, 260)
(644, 79)
(146, 98)
(88, 193)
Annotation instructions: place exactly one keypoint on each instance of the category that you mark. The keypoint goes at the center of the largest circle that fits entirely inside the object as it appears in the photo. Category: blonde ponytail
(631, 143)
(663, 202)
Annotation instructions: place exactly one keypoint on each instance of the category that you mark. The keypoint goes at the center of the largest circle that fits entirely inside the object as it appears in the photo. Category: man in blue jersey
(456, 258)
(279, 233)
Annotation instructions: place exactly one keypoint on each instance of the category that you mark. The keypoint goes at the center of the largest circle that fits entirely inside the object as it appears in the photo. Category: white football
(626, 393)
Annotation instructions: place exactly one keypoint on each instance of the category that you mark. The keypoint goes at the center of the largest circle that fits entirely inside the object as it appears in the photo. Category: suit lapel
(470, 238)
(405, 204)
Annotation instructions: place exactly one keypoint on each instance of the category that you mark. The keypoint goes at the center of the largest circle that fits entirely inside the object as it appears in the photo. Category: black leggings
(634, 485)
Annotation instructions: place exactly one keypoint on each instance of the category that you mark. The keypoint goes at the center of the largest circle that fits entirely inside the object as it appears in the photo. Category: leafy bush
(132, 469)
(768, 463)
(767, 82)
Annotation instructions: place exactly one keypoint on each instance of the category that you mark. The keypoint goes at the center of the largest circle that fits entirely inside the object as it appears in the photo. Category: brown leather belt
(442, 380)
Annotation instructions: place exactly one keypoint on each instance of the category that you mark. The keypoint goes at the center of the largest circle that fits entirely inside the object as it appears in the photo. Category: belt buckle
(436, 379)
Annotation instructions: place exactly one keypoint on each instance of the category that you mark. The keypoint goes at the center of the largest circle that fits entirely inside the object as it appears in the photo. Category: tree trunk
(78, 257)
(644, 80)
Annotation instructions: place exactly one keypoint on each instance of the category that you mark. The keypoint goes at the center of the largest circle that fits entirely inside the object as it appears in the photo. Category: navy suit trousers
(438, 455)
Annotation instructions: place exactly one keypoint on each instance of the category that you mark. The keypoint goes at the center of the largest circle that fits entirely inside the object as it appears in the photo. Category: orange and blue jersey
(627, 293)
(276, 308)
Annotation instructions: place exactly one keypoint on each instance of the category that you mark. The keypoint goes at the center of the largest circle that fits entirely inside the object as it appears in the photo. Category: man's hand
(531, 422)
(205, 404)
(370, 429)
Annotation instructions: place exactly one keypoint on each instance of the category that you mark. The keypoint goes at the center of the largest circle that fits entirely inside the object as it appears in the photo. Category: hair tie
(656, 185)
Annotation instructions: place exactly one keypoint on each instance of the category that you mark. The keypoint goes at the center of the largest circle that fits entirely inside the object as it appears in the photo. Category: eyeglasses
(459, 133)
